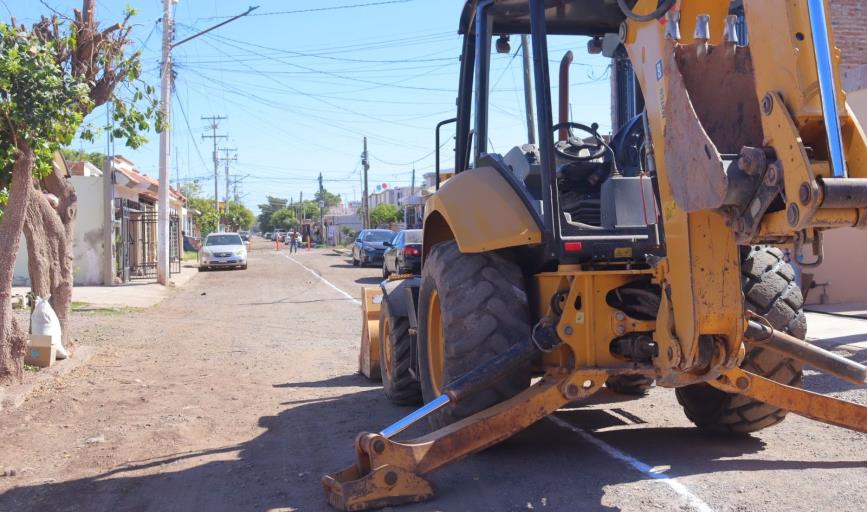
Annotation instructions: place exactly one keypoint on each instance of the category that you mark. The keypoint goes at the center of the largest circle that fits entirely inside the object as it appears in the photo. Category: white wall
(88, 246)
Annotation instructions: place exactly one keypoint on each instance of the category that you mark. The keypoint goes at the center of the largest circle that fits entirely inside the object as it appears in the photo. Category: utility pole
(321, 210)
(364, 163)
(108, 264)
(165, 148)
(412, 186)
(226, 159)
(214, 124)
(528, 90)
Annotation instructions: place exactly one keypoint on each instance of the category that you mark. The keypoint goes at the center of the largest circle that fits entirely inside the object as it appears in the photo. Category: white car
(223, 250)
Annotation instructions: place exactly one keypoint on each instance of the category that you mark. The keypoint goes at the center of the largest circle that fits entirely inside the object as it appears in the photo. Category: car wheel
(202, 268)
(244, 266)
(385, 272)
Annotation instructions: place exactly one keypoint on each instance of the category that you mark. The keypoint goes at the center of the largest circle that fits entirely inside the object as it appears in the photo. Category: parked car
(223, 250)
(267, 235)
(369, 246)
(245, 235)
(403, 254)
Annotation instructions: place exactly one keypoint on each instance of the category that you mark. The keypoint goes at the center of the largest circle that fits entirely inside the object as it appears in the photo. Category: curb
(12, 398)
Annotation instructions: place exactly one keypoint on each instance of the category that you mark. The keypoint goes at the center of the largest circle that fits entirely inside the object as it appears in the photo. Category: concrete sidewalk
(130, 295)
(837, 332)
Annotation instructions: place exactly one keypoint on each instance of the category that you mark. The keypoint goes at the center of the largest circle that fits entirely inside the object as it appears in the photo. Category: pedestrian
(293, 242)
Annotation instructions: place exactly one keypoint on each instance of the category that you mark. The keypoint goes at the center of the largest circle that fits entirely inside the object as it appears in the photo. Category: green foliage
(329, 198)
(207, 217)
(268, 209)
(284, 218)
(40, 103)
(238, 216)
(94, 157)
(384, 214)
(192, 189)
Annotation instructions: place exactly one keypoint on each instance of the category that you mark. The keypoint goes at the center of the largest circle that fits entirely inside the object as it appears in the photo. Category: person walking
(293, 242)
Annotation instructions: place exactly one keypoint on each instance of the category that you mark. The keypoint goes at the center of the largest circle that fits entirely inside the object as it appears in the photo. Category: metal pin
(730, 33)
(672, 25)
(702, 33)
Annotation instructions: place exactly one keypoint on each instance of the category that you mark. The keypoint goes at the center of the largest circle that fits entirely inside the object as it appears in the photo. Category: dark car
(369, 246)
(403, 254)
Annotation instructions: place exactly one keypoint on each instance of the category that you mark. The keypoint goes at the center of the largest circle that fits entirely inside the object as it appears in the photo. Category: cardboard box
(40, 351)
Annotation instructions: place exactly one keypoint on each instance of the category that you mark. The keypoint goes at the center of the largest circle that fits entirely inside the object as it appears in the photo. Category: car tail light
(410, 251)
(573, 246)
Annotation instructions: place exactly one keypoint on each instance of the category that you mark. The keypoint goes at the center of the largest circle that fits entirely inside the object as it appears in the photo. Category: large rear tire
(472, 307)
(769, 290)
(395, 353)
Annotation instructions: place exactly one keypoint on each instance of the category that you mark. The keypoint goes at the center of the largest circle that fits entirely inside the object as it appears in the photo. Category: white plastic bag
(44, 322)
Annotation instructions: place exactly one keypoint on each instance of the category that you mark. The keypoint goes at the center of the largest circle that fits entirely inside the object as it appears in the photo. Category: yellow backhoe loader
(657, 254)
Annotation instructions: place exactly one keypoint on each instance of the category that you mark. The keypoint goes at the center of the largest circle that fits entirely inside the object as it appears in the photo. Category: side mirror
(388, 244)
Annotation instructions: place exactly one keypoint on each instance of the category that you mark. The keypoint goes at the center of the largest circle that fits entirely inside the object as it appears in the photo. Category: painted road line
(326, 281)
(693, 500)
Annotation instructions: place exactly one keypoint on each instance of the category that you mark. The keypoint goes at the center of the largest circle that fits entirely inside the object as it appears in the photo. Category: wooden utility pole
(365, 221)
(226, 159)
(214, 124)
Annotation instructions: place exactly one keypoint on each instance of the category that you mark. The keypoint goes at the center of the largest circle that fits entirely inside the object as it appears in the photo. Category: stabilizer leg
(389, 473)
(822, 408)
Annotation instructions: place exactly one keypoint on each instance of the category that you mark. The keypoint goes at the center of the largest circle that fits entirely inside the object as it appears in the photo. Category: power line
(319, 9)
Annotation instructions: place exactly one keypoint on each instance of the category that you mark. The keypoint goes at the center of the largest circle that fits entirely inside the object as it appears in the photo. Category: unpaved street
(239, 391)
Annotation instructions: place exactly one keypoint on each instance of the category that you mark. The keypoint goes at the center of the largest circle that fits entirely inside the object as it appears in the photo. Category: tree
(284, 218)
(206, 217)
(268, 209)
(238, 217)
(51, 77)
(384, 214)
(94, 157)
(329, 198)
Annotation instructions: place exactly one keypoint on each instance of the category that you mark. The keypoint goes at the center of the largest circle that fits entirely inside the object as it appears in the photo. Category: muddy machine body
(656, 254)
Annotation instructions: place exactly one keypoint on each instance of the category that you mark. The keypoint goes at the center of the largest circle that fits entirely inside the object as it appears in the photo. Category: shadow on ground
(282, 467)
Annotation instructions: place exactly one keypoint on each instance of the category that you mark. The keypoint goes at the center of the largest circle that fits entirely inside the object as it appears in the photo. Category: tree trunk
(12, 338)
(49, 234)
(63, 232)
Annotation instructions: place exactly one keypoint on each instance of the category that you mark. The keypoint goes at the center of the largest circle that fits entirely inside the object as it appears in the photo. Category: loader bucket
(368, 357)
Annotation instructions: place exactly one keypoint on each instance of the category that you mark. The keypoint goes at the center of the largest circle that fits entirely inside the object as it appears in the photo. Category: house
(134, 225)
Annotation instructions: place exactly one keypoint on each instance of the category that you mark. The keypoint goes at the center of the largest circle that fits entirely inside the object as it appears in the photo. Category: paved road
(240, 390)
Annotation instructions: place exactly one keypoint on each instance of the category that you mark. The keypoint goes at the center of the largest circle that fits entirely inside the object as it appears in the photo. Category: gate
(139, 244)
(175, 244)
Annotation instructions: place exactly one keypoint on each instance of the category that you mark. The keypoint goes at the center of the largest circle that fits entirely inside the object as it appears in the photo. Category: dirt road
(239, 391)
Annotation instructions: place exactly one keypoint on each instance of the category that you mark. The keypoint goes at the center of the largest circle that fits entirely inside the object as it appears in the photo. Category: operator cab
(592, 194)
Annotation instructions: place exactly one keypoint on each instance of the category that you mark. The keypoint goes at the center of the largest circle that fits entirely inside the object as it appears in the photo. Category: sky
(301, 82)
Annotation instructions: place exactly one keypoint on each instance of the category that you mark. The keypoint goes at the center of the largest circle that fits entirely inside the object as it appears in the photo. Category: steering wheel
(571, 148)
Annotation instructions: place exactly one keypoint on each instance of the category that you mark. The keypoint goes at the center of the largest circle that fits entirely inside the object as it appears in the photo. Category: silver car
(223, 250)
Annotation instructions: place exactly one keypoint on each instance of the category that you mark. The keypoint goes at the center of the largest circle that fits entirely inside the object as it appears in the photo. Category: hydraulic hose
(655, 15)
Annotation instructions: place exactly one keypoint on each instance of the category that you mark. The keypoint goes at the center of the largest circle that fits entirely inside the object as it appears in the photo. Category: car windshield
(412, 236)
(223, 240)
(379, 236)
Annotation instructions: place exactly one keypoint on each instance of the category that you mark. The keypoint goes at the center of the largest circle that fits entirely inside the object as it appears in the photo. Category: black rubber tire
(385, 272)
(397, 382)
(769, 290)
(629, 384)
(354, 261)
(484, 310)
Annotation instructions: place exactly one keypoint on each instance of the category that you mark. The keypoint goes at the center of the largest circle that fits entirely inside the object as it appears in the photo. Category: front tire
(472, 307)
(395, 350)
(770, 290)
(385, 272)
